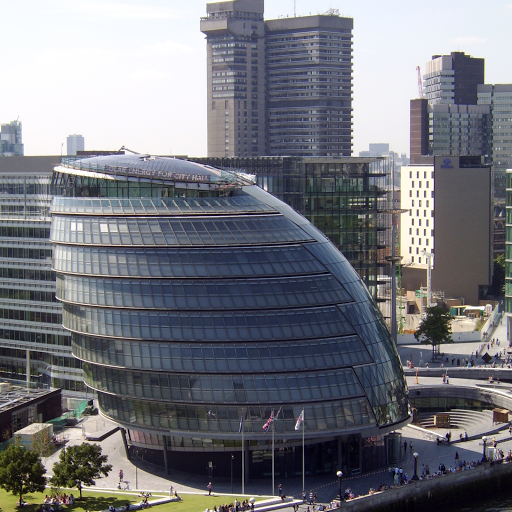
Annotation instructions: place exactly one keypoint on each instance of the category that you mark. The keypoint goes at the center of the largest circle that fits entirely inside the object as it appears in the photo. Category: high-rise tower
(280, 87)
(309, 86)
(235, 34)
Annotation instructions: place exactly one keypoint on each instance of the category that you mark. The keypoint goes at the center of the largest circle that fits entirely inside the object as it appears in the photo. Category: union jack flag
(269, 421)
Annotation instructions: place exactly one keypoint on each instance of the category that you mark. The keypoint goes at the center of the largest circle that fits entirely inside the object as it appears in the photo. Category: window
(412, 203)
(427, 204)
(410, 250)
(426, 223)
(412, 184)
(412, 241)
(420, 203)
(419, 184)
(417, 250)
(410, 231)
(412, 222)
(424, 232)
(412, 259)
(425, 174)
(426, 241)
(417, 231)
(419, 222)
(410, 193)
(432, 195)
(410, 174)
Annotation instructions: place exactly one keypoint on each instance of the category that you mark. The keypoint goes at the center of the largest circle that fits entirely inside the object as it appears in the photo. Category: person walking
(209, 487)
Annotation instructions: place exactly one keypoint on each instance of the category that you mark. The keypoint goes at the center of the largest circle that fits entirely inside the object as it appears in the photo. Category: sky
(133, 72)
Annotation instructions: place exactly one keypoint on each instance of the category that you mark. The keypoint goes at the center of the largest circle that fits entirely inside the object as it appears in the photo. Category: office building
(345, 198)
(449, 216)
(453, 79)
(75, 143)
(449, 120)
(235, 33)
(34, 347)
(309, 86)
(277, 87)
(11, 143)
(195, 299)
(508, 254)
(499, 99)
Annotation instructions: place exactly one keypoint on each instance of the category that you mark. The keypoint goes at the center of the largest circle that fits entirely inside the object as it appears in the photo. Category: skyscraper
(11, 143)
(499, 99)
(453, 79)
(74, 143)
(309, 86)
(448, 121)
(235, 33)
(280, 87)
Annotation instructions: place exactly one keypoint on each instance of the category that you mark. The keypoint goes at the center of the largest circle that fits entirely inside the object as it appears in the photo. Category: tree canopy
(21, 471)
(79, 465)
(436, 328)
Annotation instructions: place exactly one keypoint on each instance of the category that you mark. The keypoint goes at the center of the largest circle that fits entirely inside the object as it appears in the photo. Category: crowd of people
(54, 503)
(235, 506)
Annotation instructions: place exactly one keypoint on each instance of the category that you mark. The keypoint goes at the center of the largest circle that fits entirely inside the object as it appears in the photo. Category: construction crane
(420, 83)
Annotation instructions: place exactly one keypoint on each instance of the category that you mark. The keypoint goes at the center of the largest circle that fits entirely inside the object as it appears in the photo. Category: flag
(300, 419)
(241, 423)
(269, 421)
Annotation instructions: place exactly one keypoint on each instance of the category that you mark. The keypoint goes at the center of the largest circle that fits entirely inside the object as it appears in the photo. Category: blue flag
(241, 423)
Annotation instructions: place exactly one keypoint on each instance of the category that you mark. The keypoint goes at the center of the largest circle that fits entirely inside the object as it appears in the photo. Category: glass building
(346, 198)
(34, 347)
(195, 298)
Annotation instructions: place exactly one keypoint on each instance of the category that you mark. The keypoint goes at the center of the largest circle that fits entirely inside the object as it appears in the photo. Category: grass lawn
(96, 501)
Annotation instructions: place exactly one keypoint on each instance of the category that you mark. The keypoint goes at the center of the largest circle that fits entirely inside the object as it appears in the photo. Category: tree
(435, 328)
(79, 465)
(21, 471)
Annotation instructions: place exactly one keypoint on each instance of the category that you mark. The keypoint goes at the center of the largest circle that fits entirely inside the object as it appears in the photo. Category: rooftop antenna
(294, 8)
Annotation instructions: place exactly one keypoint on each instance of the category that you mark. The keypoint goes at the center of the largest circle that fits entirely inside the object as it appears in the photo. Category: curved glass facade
(209, 300)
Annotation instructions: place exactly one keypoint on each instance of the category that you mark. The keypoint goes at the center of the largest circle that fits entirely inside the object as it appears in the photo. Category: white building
(75, 143)
(417, 226)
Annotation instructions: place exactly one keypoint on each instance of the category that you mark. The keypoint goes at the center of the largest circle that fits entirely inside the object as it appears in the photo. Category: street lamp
(232, 458)
(484, 440)
(339, 474)
(415, 477)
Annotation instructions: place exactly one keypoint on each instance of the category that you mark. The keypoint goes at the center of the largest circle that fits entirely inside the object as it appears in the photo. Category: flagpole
(303, 466)
(243, 461)
(273, 430)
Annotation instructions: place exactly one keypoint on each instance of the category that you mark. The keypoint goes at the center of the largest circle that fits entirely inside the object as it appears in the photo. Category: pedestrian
(405, 446)
(411, 446)
(171, 489)
(279, 490)
(209, 487)
(310, 497)
(456, 455)
(465, 436)
(121, 475)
